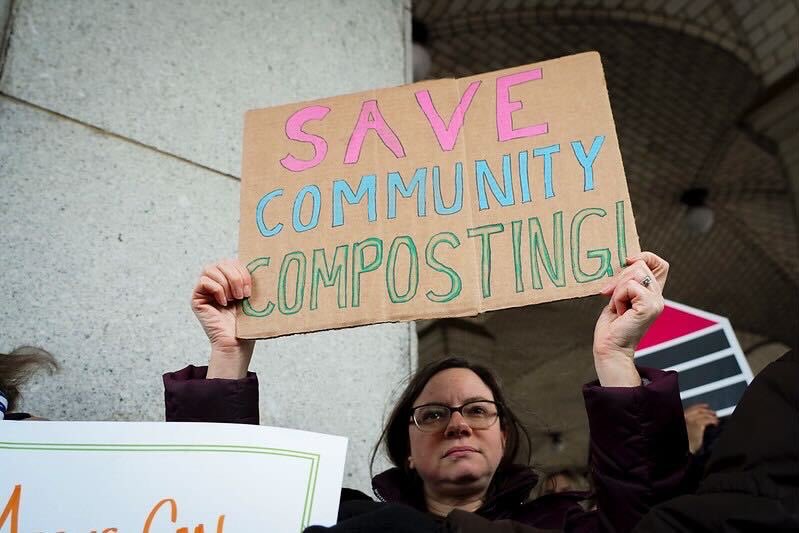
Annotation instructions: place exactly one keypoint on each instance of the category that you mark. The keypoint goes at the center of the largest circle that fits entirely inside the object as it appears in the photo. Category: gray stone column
(120, 143)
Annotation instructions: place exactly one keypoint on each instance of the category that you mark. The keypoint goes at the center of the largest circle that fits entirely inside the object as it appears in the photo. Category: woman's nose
(457, 426)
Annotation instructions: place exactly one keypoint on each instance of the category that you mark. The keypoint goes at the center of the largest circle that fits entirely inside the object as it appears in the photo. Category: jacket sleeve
(190, 397)
(639, 447)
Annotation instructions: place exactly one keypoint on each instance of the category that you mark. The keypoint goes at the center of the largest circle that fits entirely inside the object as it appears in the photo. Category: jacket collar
(511, 486)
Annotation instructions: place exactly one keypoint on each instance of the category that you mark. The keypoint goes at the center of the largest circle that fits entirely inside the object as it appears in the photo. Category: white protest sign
(149, 477)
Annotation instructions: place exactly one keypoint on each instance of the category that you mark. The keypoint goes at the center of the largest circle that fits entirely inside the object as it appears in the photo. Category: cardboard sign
(154, 477)
(442, 198)
(703, 349)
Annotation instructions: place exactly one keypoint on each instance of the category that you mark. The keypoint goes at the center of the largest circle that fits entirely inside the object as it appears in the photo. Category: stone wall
(120, 142)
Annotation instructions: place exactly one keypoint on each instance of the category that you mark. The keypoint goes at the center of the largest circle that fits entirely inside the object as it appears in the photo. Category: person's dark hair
(17, 367)
(394, 436)
(578, 481)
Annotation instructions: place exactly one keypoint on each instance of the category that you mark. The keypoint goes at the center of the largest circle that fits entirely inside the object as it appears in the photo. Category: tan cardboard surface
(525, 202)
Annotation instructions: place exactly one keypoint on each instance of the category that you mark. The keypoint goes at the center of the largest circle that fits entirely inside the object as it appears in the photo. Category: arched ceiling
(682, 78)
(762, 34)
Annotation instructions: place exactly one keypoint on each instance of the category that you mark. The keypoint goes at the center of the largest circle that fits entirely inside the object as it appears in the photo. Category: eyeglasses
(433, 417)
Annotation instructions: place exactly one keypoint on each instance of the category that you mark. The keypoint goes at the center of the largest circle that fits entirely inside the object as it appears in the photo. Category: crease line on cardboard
(468, 200)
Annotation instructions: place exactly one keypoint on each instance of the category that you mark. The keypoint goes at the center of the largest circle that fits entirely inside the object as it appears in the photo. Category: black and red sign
(703, 349)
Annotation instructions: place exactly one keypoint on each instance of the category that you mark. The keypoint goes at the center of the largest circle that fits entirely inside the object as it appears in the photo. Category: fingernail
(247, 291)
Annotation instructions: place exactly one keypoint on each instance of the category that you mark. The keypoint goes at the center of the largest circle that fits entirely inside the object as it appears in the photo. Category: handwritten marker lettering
(163, 512)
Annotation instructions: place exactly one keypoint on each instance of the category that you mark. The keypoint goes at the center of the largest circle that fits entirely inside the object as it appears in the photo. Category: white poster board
(117, 477)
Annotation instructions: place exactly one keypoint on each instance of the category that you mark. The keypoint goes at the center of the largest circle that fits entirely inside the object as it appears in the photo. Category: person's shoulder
(354, 502)
(349, 495)
(17, 416)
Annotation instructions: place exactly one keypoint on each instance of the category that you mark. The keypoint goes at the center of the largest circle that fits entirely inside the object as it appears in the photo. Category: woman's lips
(459, 451)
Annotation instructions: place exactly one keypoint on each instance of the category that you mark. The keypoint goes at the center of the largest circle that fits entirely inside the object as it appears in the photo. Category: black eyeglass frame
(451, 410)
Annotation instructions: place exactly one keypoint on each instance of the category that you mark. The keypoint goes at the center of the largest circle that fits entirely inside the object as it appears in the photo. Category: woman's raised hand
(220, 287)
(636, 299)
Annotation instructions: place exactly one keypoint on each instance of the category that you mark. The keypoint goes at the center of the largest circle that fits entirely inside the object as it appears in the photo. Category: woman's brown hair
(17, 367)
(395, 436)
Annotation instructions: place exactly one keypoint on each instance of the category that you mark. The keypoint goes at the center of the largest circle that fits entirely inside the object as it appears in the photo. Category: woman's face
(459, 460)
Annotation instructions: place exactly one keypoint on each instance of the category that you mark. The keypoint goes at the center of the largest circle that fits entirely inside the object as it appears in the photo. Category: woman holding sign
(452, 437)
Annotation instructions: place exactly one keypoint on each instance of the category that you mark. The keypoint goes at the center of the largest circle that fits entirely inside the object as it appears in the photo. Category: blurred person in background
(698, 418)
(16, 369)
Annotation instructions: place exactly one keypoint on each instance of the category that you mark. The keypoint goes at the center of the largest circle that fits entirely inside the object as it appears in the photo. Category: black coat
(751, 482)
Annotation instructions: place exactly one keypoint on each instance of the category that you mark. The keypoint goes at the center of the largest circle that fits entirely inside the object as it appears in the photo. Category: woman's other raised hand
(220, 287)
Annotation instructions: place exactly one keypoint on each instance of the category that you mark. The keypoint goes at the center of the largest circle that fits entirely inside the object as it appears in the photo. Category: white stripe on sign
(699, 361)
(712, 386)
(726, 411)
(679, 340)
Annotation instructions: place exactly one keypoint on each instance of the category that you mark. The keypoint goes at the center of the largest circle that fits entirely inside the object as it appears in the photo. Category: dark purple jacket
(639, 450)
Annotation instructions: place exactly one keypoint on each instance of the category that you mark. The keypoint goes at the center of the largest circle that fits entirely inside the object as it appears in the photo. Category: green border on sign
(312, 457)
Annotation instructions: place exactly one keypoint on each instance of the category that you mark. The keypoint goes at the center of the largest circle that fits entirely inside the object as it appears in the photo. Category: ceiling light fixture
(699, 216)
(420, 56)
